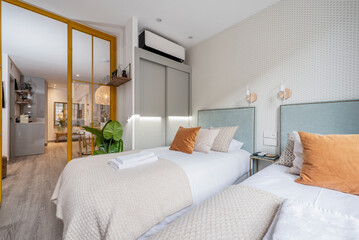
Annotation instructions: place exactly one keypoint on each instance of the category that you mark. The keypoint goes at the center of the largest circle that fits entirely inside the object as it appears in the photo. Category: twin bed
(207, 175)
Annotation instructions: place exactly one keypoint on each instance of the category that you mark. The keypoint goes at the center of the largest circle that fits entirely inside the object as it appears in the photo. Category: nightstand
(255, 159)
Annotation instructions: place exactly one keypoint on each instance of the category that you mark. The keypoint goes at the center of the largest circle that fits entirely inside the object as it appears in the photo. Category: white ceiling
(180, 19)
(38, 45)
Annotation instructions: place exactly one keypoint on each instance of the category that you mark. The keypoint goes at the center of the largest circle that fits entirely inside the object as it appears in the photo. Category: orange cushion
(185, 139)
(331, 161)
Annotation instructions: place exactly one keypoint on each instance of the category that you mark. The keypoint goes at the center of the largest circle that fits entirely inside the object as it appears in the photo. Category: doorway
(100, 111)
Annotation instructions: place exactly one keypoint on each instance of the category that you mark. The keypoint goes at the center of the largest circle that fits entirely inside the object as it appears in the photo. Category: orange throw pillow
(330, 161)
(185, 139)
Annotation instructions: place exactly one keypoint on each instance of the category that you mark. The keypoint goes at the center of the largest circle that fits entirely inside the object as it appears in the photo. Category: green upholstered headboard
(341, 117)
(242, 117)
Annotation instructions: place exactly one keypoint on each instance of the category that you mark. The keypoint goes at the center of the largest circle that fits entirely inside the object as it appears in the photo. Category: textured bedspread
(238, 212)
(96, 201)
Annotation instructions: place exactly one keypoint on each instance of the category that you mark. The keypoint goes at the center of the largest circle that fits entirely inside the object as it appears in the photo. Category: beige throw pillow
(224, 138)
(205, 140)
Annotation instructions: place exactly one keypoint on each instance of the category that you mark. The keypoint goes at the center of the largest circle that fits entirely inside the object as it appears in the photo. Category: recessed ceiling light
(77, 75)
(159, 19)
(190, 37)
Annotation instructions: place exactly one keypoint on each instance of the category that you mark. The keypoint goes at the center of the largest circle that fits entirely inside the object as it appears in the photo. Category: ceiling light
(77, 75)
(158, 19)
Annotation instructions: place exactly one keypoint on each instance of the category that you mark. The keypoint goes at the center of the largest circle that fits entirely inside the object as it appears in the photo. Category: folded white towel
(119, 166)
(135, 157)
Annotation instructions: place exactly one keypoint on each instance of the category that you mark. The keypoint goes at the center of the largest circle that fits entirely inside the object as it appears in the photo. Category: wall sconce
(284, 93)
(251, 97)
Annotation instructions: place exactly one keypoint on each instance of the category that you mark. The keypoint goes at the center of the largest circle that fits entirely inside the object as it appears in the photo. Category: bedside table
(255, 159)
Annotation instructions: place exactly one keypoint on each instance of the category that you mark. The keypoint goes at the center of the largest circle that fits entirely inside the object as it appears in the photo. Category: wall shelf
(118, 81)
(23, 103)
(22, 91)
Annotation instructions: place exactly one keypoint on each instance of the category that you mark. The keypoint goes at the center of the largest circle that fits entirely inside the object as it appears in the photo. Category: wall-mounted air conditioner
(161, 46)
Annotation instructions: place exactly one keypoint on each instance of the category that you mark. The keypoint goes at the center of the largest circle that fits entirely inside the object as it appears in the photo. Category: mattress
(208, 174)
(276, 180)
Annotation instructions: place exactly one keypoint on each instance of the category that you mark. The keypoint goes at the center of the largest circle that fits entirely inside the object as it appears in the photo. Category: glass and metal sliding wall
(91, 98)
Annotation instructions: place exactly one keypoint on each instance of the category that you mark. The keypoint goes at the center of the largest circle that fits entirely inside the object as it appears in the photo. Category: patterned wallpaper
(312, 46)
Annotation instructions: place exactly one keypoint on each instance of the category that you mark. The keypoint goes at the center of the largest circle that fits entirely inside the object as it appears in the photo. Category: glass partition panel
(81, 116)
(101, 106)
(101, 60)
(81, 56)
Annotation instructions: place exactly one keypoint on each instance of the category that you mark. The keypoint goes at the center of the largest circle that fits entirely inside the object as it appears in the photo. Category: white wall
(8, 68)
(312, 46)
(125, 93)
(57, 94)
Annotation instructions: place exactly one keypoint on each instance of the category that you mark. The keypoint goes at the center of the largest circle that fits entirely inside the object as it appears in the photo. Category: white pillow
(205, 139)
(235, 145)
(298, 154)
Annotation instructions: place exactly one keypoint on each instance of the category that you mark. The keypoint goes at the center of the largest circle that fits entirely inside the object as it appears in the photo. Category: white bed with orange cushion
(208, 174)
(276, 179)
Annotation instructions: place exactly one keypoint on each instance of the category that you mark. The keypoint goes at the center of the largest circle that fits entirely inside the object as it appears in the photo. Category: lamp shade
(102, 95)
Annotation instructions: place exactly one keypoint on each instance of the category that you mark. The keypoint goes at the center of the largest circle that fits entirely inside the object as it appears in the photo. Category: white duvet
(208, 174)
(276, 180)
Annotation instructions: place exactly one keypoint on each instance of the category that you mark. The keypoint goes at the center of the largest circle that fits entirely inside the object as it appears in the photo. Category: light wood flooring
(26, 211)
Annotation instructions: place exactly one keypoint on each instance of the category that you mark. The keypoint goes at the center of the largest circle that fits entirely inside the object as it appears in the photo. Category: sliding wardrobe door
(177, 102)
(150, 124)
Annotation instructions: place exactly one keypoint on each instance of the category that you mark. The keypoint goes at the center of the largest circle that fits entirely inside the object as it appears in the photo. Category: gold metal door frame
(70, 26)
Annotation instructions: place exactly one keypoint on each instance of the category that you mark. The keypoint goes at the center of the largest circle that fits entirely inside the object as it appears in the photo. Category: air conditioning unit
(161, 46)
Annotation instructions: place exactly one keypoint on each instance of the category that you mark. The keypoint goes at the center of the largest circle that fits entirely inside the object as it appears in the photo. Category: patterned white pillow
(287, 157)
(224, 138)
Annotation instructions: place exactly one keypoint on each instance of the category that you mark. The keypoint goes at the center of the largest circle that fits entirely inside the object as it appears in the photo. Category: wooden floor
(27, 212)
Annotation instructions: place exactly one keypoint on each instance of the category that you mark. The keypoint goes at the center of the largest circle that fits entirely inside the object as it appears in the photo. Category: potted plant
(108, 140)
(62, 123)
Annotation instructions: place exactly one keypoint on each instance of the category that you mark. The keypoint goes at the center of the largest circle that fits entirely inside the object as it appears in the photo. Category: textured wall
(310, 45)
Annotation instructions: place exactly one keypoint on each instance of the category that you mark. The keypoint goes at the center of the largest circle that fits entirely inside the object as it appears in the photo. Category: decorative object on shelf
(114, 73)
(124, 71)
(124, 74)
(102, 95)
(284, 93)
(109, 139)
(25, 86)
(116, 81)
(251, 97)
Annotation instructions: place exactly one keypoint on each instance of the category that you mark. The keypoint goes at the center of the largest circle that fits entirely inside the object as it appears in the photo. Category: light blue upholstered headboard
(242, 117)
(340, 117)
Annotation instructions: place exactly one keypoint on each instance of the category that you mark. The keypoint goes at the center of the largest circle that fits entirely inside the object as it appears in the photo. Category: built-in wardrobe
(162, 99)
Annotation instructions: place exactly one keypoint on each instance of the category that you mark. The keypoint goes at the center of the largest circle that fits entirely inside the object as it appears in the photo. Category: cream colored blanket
(96, 201)
(238, 212)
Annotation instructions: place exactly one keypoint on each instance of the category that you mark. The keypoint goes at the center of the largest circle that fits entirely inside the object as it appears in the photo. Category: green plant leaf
(121, 145)
(95, 131)
(113, 130)
(114, 147)
(98, 152)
